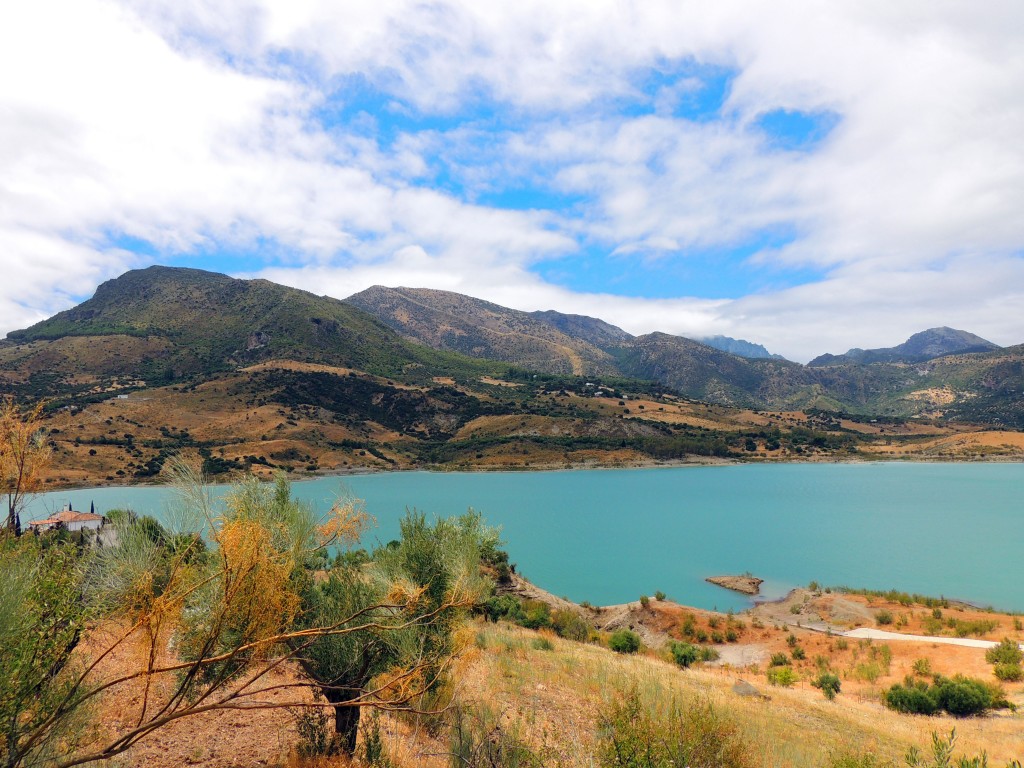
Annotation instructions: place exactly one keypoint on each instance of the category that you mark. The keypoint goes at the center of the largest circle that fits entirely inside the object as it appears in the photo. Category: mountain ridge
(924, 345)
(164, 324)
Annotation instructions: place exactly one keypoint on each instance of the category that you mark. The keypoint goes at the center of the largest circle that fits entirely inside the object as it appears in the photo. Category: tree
(42, 618)
(24, 456)
(200, 613)
(433, 573)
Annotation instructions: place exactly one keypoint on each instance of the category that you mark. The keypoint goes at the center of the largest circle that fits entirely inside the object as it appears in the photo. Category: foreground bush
(941, 757)
(633, 735)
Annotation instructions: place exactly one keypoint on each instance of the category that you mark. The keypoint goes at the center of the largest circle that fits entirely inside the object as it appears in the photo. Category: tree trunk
(346, 723)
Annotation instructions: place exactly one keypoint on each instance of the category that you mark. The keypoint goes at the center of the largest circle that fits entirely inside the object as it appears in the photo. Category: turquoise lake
(608, 536)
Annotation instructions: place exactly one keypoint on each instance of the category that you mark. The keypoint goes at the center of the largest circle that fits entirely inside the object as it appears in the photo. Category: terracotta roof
(68, 516)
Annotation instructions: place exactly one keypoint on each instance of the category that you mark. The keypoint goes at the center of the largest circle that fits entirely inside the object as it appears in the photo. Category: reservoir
(609, 536)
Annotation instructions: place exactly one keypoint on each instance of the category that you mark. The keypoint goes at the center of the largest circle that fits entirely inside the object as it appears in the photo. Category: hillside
(544, 341)
(546, 699)
(941, 372)
(252, 375)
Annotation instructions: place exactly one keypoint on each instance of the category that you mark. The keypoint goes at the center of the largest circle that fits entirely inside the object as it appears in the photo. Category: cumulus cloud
(464, 145)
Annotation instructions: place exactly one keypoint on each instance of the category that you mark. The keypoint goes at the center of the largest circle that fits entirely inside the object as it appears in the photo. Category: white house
(70, 520)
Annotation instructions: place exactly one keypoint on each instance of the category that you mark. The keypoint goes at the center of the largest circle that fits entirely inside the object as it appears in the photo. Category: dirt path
(881, 634)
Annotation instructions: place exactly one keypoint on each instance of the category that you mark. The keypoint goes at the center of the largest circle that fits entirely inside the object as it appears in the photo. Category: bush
(828, 683)
(1007, 652)
(779, 660)
(781, 676)
(911, 698)
(883, 617)
(659, 595)
(959, 696)
(645, 601)
(536, 614)
(686, 654)
(624, 641)
(922, 667)
(799, 654)
(962, 696)
(570, 625)
(1008, 673)
(633, 735)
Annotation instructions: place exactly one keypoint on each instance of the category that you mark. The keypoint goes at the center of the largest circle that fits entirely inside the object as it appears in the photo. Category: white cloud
(192, 126)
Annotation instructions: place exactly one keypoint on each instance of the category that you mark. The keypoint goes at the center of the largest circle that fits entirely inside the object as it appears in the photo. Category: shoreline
(297, 477)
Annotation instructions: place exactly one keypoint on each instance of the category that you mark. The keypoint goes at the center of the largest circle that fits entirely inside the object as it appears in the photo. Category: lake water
(608, 536)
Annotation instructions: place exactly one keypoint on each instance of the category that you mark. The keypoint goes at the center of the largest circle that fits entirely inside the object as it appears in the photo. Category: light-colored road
(881, 634)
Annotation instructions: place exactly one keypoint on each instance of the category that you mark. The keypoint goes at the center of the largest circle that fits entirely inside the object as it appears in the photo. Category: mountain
(541, 341)
(739, 347)
(562, 344)
(926, 345)
(163, 324)
(247, 374)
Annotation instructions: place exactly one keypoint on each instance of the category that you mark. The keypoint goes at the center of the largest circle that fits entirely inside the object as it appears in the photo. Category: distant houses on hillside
(69, 519)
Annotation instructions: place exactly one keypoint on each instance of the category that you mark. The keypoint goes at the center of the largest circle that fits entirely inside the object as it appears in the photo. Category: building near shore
(69, 519)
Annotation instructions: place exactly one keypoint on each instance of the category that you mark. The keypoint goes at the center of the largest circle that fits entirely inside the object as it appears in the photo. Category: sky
(811, 176)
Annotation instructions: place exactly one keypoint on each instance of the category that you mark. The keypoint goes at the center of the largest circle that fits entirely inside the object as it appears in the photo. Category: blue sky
(809, 177)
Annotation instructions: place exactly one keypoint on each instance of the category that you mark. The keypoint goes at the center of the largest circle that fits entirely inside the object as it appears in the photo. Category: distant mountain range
(163, 325)
(926, 345)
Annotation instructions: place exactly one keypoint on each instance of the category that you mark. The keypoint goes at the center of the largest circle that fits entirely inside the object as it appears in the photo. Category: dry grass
(552, 698)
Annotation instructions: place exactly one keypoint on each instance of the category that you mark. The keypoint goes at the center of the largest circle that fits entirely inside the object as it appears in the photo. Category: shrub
(645, 601)
(922, 667)
(779, 660)
(976, 627)
(686, 654)
(624, 641)
(781, 676)
(717, 637)
(959, 696)
(883, 617)
(1007, 652)
(633, 735)
(731, 636)
(714, 622)
(659, 595)
(828, 683)
(570, 625)
(791, 640)
(536, 614)
(1008, 673)
(868, 671)
(799, 654)
(911, 698)
(962, 696)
